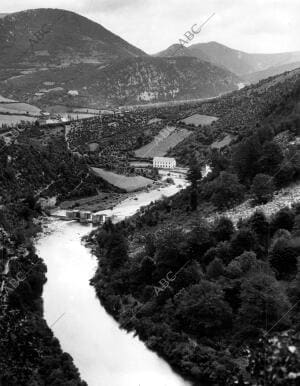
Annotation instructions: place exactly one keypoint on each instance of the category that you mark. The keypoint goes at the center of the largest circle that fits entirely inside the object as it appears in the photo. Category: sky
(265, 26)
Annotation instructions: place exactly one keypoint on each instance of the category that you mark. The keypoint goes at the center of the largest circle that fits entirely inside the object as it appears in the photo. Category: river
(104, 354)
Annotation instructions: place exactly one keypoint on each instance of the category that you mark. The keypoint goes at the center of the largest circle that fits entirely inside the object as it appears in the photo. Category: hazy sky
(152, 25)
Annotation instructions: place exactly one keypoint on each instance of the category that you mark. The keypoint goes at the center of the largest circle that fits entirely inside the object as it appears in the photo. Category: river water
(104, 354)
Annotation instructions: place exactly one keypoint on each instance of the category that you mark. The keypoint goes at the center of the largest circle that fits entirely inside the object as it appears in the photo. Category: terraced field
(199, 119)
(167, 138)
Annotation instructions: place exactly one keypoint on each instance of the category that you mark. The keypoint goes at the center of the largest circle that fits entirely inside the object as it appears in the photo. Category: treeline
(221, 304)
(27, 169)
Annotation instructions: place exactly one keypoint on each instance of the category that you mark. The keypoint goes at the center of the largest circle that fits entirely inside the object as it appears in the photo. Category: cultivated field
(129, 184)
(14, 119)
(162, 143)
(198, 119)
(19, 108)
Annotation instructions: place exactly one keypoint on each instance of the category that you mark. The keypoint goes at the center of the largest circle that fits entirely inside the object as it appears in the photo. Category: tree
(171, 252)
(194, 199)
(215, 269)
(284, 219)
(227, 191)
(264, 303)
(243, 240)
(245, 156)
(194, 173)
(223, 229)
(242, 264)
(271, 158)
(262, 188)
(201, 309)
(283, 258)
(199, 240)
(286, 173)
(150, 244)
(117, 250)
(221, 251)
(259, 224)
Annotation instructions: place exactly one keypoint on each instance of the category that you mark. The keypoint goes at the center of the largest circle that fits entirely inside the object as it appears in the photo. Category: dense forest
(219, 301)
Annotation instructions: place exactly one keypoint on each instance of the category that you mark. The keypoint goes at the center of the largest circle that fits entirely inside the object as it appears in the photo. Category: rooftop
(163, 159)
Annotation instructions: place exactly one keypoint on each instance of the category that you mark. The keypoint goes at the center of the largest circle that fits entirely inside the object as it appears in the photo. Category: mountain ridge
(127, 81)
(239, 62)
(55, 37)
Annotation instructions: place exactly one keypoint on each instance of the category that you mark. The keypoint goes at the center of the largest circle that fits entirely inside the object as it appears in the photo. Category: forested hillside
(219, 302)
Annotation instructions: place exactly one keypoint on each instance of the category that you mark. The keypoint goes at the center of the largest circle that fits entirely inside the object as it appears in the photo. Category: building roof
(163, 159)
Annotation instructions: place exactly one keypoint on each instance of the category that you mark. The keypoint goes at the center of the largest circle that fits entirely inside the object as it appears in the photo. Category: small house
(85, 216)
(98, 219)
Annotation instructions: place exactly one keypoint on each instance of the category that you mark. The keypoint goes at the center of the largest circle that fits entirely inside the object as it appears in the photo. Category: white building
(164, 162)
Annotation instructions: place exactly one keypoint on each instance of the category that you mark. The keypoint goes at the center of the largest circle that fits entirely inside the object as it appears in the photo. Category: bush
(262, 188)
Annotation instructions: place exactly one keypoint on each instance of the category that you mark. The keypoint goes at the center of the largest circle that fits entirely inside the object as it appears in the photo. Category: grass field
(162, 143)
(223, 143)
(129, 184)
(198, 119)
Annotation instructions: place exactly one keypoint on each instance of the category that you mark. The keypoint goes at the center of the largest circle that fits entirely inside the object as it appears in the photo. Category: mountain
(51, 55)
(271, 71)
(127, 81)
(238, 62)
(53, 37)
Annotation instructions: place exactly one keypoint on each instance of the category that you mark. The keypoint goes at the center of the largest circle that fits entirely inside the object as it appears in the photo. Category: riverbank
(188, 294)
(29, 352)
(104, 354)
(108, 201)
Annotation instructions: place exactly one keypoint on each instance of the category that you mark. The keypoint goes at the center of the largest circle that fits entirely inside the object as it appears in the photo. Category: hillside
(271, 71)
(53, 37)
(127, 81)
(239, 62)
(52, 56)
(219, 300)
(273, 101)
